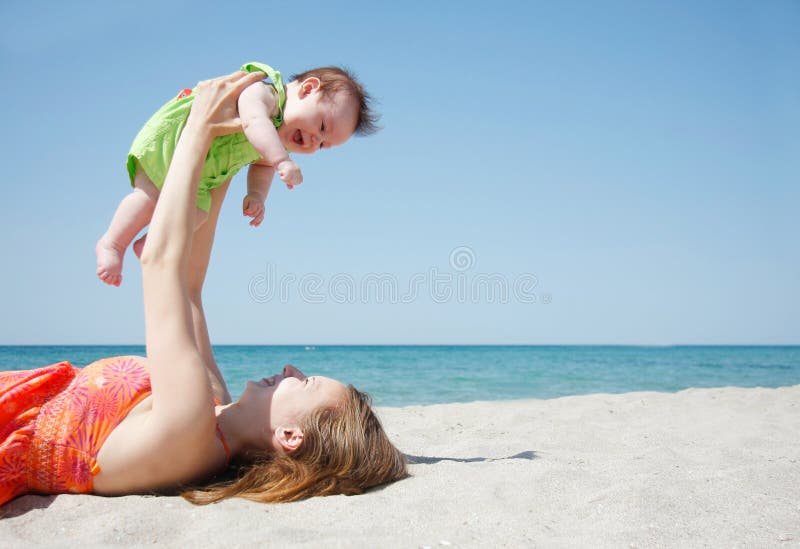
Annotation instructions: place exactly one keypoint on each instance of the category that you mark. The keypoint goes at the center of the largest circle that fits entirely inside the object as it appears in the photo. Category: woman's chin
(250, 387)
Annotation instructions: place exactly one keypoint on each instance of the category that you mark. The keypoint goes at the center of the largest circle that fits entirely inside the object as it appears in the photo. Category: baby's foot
(138, 246)
(109, 262)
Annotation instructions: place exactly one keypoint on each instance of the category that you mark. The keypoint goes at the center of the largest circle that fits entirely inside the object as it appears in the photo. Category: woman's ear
(289, 438)
(309, 85)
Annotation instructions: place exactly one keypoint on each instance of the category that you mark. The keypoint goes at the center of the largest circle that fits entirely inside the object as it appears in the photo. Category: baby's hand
(253, 206)
(290, 173)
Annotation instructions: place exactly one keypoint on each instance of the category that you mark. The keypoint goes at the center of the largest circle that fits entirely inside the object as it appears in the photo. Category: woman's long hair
(344, 451)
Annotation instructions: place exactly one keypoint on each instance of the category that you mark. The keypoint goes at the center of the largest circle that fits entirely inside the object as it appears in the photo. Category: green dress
(154, 146)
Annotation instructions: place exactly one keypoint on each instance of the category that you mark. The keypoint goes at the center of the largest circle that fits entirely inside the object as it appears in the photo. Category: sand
(703, 467)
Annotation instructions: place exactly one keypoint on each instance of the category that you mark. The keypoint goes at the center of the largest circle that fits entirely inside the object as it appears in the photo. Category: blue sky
(638, 160)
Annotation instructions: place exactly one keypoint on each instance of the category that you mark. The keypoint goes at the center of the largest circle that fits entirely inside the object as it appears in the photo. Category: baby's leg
(132, 215)
(199, 219)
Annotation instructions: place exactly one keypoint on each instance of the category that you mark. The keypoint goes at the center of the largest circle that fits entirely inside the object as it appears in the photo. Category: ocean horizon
(404, 375)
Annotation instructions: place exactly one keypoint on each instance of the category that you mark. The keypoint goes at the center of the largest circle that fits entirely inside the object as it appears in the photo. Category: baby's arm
(259, 180)
(256, 104)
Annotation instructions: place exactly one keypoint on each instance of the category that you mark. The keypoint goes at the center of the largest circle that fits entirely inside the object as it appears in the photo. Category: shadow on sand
(23, 504)
(427, 460)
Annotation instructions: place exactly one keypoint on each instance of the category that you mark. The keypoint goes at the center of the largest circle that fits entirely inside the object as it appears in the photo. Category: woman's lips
(269, 381)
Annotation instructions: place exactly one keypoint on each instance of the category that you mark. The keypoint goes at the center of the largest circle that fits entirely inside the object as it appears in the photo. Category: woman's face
(291, 395)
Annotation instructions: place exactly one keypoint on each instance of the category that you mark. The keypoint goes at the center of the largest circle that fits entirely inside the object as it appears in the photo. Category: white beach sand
(703, 467)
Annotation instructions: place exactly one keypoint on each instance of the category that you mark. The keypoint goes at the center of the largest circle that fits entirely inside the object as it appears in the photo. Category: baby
(320, 108)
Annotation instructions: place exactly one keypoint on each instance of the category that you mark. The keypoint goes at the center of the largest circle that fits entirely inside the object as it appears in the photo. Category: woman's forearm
(202, 244)
(173, 222)
(213, 113)
(218, 386)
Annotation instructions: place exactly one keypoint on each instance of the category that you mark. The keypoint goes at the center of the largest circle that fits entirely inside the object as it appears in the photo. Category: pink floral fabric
(54, 420)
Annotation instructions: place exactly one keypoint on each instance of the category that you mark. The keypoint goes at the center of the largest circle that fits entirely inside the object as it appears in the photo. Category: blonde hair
(344, 451)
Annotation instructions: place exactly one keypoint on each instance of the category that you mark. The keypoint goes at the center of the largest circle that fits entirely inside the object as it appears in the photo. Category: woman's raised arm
(196, 275)
(174, 440)
(181, 390)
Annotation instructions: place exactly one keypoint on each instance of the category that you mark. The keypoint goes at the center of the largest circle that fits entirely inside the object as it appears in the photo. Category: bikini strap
(222, 437)
(224, 444)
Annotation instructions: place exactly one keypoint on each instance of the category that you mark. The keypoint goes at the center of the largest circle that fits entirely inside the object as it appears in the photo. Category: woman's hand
(215, 104)
(213, 113)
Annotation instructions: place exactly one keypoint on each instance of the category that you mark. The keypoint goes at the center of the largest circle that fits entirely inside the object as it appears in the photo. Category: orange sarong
(54, 420)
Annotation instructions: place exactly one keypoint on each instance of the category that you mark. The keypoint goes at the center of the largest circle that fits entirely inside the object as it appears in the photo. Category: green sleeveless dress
(154, 146)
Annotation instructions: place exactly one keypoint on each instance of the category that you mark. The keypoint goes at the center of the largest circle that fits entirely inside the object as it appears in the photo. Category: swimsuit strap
(222, 437)
(224, 444)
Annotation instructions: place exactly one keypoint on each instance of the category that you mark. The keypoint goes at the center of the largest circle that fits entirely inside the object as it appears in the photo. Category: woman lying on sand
(129, 425)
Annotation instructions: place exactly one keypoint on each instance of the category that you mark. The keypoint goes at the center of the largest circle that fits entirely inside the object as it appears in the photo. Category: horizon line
(420, 345)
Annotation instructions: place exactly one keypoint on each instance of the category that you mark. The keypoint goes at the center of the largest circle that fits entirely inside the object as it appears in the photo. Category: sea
(418, 375)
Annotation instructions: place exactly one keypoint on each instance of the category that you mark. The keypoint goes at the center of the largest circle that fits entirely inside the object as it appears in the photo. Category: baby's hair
(333, 80)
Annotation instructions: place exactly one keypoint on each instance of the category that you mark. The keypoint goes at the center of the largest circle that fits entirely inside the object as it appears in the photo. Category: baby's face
(311, 122)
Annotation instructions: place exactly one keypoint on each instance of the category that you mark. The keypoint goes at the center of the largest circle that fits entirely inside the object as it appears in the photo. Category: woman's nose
(291, 371)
